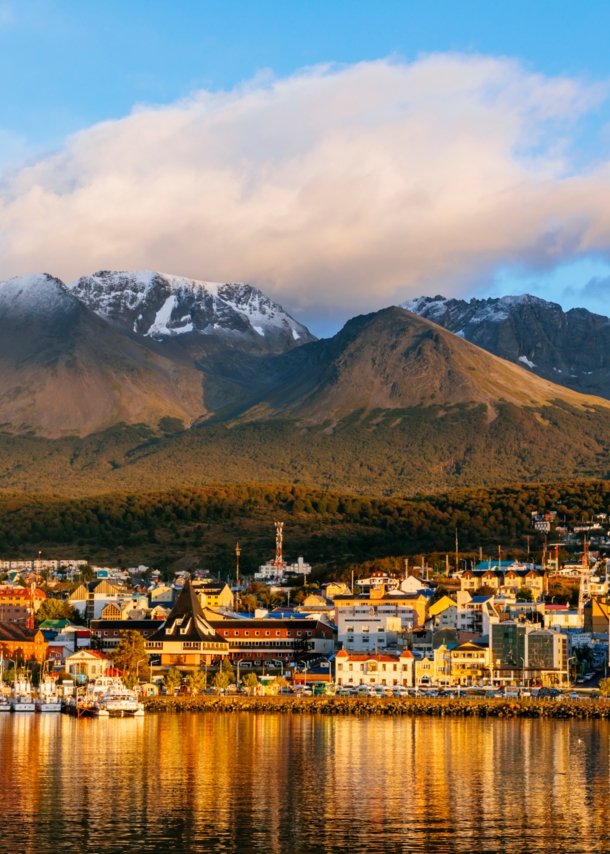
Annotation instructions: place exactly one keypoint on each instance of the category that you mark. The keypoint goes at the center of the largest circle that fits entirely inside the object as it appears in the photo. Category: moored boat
(47, 700)
(22, 700)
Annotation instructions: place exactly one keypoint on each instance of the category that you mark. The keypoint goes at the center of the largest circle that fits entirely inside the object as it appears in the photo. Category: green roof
(55, 624)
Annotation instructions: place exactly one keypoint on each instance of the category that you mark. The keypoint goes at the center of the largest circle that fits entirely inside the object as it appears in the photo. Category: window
(299, 634)
(247, 634)
(236, 633)
(278, 634)
(256, 634)
(267, 634)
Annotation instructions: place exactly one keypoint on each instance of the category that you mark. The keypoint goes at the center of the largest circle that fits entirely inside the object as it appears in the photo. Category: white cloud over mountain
(347, 188)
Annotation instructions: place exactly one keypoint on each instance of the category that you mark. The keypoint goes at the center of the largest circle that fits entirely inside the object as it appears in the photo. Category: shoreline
(342, 706)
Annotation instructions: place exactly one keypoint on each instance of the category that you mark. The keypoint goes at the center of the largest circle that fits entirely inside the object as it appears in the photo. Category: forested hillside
(330, 529)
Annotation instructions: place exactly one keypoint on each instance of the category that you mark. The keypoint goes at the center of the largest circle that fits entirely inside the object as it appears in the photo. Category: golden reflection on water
(275, 783)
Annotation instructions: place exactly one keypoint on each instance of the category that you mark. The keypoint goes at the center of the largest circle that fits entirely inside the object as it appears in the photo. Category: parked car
(400, 691)
(365, 691)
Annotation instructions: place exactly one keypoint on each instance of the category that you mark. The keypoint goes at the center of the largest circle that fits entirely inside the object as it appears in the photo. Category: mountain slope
(388, 360)
(161, 306)
(569, 348)
(65, 370)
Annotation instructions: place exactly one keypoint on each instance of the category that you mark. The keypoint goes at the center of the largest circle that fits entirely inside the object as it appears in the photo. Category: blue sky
(68, 66)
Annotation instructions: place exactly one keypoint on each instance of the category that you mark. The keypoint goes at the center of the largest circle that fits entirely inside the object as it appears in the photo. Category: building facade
(354, 669)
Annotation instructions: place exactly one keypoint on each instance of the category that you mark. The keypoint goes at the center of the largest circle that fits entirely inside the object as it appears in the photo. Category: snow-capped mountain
(163, 306)
(570, 348)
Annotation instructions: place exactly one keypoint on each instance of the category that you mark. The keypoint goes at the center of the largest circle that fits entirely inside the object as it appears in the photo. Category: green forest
(383, 452)
(330, 529)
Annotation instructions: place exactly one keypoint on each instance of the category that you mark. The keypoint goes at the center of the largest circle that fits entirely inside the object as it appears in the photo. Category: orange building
(20, 644)
(19, 604)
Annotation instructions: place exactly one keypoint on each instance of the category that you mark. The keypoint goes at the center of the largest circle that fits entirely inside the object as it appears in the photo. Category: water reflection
(273, 783)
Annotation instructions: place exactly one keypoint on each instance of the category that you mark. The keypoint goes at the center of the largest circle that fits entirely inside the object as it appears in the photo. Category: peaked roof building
(186, 639)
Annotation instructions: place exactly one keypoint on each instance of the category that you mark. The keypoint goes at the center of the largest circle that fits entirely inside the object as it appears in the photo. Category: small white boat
(118, 701)
(5, 706)
(47, 700)
(22, 701)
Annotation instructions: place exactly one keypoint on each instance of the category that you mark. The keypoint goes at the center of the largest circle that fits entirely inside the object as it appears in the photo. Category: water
(281, 783)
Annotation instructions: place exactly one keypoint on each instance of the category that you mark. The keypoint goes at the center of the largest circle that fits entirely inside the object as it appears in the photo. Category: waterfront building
(353, 669)
(106, 634)
(162, 594)
(18, 643)
(186, 638)
(276, 639)
(470, 663)
(526, 652)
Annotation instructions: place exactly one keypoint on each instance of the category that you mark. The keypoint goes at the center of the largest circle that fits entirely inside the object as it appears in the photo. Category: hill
(331, 529)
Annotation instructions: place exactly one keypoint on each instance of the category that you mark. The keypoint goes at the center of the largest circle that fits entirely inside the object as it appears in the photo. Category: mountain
(209, 315)
(393, 403)
(569, 348)
(123, 348)
(65, 370)
(388, 360)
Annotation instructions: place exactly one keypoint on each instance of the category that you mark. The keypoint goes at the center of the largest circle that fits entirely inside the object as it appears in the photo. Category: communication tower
(279, 540)
(585, 579)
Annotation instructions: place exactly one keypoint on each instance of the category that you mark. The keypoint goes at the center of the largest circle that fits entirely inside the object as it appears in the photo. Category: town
(97, 640)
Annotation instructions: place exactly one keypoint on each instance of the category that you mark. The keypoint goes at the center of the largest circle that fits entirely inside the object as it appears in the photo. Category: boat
(5, 706)
(118, 701)
(22, 701)
(47, 700)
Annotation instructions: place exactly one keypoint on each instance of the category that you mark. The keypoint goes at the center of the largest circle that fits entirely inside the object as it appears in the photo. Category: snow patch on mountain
(37, 295)
(159, 304)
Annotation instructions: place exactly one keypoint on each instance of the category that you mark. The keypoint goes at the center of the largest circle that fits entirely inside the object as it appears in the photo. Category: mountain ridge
(569, 348)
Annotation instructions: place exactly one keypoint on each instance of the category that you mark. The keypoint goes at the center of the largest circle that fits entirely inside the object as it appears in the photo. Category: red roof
(373, 656)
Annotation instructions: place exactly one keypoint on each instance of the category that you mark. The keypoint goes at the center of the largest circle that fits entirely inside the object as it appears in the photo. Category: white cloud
(347, 188)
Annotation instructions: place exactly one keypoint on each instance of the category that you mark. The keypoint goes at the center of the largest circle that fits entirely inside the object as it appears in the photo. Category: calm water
(271, 783)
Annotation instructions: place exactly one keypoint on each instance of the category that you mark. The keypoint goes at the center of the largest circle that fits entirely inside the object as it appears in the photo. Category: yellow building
(469, 663)
(596, 617)
(214, 595)
(393, 603)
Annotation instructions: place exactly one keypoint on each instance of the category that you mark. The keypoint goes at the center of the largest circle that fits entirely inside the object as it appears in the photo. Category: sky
(342, 156)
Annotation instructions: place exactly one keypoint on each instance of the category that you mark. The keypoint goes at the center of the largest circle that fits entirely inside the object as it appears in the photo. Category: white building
(367, 632)
(353, 669)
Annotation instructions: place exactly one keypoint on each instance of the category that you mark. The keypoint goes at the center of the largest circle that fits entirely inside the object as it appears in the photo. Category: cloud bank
(336, 190)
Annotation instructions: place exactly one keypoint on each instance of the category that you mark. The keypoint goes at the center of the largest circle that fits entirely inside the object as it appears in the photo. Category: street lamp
(571, 658)
(138, 665)
(238, 663)
(304, 663)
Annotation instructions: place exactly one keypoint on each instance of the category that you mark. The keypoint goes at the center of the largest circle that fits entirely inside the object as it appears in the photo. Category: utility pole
(457, 552)
(406, 568)
(499, 557)
(447, 565)
(528, 537)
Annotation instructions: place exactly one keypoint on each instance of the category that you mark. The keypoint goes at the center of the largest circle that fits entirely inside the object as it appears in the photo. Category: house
(275, 639)
(353, 669)
(561, 617)
(91, 598)
(213, 594)
(89, 663)
(596, 617)
(335, 588)
(17, 643)
(470, 663)
(186, 639)
(425, 673)
(162, 594)
(476, 615)
(443, 613)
